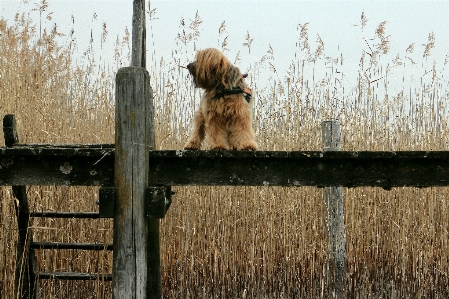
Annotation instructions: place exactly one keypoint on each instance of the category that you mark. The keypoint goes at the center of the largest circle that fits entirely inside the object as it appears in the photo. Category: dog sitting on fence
(224, 115)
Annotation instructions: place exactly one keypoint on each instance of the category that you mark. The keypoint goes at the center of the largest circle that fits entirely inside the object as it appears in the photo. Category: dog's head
(212, 70)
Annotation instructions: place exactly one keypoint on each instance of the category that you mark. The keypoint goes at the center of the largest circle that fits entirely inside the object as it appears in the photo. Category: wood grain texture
(138, 56)
(330, 168)
(94, 165)
(75, 276)
(74, 215)
(44, 164)
(24, 280)
(335, 221)
(64, 245)
(135, 233)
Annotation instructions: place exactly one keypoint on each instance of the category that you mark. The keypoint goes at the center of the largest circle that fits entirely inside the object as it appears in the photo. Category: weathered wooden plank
(298, 154)
(332, 168)
(104, 150)
(78, 215)
(63, 245)
(43, 164)
(93, 165)
(75, 276)
(49, 169)
(77, 150)
(136, 257)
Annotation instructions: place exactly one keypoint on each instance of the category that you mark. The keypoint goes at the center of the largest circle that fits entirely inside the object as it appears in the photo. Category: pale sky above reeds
(272, 23)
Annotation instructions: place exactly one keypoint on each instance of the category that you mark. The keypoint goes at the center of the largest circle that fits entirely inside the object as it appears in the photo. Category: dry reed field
(240, 242)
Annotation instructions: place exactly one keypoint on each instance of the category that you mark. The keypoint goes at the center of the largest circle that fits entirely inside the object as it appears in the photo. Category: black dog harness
(236, 90)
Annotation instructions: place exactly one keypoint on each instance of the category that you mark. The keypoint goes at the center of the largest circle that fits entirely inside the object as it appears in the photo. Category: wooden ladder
(27, 275)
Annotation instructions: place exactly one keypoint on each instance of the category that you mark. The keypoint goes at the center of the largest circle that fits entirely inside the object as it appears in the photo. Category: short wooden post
(24, 277)
(335, 224)
(10, 130)
(136, 258)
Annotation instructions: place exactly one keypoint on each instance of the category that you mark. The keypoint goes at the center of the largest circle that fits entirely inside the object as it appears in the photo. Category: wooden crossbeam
(75, 276)
(94, 165)
(62, 245)
(330, 168)
(73, 215)
(75, 165)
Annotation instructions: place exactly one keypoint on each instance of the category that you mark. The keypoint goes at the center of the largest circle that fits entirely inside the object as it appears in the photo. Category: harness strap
(236, 90)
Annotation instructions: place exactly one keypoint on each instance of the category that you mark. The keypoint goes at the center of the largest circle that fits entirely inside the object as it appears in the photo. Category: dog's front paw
(191, 146)
(219, 148)
(250, 146)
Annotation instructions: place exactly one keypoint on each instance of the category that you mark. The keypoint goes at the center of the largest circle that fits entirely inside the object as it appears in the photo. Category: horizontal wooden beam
(94, 165)
(330, 168)
(75, 165)
(77, 215)
(75, 276)
(79, 246)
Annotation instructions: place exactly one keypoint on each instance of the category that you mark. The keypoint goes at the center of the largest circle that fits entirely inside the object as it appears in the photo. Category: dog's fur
(225, 119)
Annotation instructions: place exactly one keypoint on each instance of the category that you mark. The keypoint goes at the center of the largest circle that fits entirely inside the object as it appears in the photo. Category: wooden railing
(93, 165)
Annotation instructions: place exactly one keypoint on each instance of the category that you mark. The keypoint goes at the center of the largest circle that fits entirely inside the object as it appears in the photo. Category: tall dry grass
(58, 99)
(241, 242)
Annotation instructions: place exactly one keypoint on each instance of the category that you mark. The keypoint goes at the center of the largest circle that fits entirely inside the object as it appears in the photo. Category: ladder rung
(61, 245)
(51, 214)
(74, 276)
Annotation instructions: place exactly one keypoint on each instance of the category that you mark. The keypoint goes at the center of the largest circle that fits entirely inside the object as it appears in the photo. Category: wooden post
(10, 130)
(138, 56)
(136, 259)
(24, 276)
(335, 224)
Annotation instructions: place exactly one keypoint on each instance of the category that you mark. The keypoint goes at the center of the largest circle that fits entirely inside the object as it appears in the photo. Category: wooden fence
(137, 201)
(136, 179)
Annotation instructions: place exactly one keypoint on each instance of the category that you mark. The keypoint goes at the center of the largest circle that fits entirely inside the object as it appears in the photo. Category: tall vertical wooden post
(335, 223)
(136, 256)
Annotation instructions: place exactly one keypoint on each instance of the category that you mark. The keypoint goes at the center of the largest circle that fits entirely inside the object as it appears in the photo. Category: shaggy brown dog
(225, 107)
